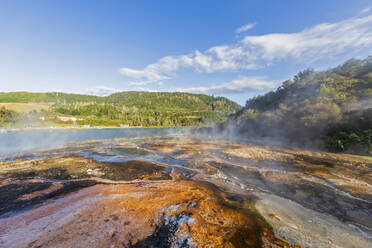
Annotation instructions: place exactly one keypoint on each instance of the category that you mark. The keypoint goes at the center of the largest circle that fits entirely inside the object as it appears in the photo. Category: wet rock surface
(71, 167)
(181, 192)
(333, 184)
(26, 195)
(166, 214)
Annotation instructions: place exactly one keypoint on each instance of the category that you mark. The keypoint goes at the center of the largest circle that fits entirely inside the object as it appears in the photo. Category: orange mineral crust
(168, 214)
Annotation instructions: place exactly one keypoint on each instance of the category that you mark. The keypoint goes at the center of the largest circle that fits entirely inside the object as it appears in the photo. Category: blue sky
(236, 49)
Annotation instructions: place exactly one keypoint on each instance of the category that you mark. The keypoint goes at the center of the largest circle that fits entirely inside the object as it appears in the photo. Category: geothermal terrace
(182, 192)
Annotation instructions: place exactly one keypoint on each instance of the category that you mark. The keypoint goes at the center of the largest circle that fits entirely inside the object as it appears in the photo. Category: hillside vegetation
(124, 108)
(331, 109)
(25, 107)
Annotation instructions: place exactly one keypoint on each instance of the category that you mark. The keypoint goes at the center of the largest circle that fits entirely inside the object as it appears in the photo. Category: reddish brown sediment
(72, 167)
(54, 187)
(131, 214)
(56, 200)
(336, 186)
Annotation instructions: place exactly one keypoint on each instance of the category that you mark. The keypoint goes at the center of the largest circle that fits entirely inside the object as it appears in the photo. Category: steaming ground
(164, 191)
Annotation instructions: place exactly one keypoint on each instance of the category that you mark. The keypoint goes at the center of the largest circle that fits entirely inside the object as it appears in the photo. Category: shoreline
(13, 130)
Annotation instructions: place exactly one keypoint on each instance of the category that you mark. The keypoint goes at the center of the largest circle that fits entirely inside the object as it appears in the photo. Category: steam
(29, 142)
(359, 105)
(26, 142)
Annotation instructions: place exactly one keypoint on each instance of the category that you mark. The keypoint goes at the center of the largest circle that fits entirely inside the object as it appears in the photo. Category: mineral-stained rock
(65, 168)
(134, 193)
(162, 214)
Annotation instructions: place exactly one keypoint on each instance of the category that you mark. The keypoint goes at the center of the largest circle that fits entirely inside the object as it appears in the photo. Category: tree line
(125, 108)
(331, 109)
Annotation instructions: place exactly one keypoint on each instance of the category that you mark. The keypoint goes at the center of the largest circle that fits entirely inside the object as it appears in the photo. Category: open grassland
(25, 107)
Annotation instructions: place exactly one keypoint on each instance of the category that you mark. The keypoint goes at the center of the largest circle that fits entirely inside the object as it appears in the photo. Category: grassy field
(25, 107)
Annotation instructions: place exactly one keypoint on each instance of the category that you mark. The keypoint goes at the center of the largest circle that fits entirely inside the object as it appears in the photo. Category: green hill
(49, 97)
(331, 109)
(130, 108)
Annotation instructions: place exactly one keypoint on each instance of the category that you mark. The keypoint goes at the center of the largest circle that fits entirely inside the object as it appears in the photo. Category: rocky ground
(182, 192)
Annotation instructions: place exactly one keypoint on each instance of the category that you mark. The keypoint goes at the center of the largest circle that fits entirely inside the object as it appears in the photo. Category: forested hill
(49, 97)
(331, 108)
(124, 108)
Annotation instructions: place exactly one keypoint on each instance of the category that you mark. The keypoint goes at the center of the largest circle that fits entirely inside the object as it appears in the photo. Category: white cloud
(326, 39)
(365, 10)
(251, 52)
(101, 91)
(145, 89)
(245, 28)
(157, 71)
(240, 85)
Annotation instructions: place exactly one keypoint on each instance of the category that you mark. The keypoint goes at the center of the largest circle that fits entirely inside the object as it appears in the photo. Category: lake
(16, 143)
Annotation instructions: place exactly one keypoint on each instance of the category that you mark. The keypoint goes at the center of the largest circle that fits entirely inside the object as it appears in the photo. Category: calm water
(32, 141)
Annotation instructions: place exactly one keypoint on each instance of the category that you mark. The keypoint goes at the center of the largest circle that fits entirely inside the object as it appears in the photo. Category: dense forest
(124, 108)
(331, 109)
